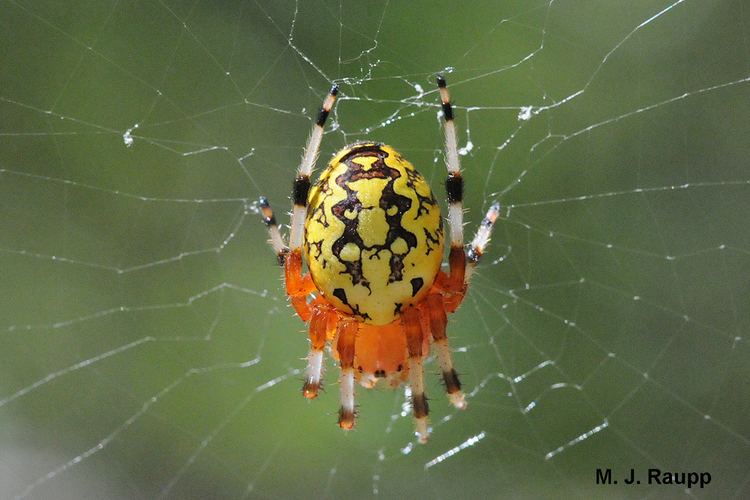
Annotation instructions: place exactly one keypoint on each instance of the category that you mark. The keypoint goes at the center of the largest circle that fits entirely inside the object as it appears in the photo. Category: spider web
(147, 349)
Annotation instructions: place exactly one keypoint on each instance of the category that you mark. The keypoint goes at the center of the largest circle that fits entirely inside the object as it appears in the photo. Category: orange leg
(346, 332)
(298, 287)
(455, 285)
(414, 339)
(457, 261)
(462, 265)
(434, 309)
(320, 323)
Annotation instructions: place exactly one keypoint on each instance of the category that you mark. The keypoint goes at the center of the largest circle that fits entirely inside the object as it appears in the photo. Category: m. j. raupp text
(655, 477)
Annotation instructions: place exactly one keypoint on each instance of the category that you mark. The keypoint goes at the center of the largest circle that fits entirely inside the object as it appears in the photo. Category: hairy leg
(434, 310)
(414, 340)
(321, 321)
(346, 332)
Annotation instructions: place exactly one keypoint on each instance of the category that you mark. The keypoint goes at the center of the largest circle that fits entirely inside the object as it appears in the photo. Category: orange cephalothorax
(381, 354)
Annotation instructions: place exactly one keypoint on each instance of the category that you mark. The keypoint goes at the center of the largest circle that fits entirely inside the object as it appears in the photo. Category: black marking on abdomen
(340, 294)
(318, 212)
(389, 198)
(433, 240)
(416, 286)
(318, 245)
(425, 202)
(361, 149)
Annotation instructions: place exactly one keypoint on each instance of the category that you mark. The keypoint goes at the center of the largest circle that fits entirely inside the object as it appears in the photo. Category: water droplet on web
(525, 113)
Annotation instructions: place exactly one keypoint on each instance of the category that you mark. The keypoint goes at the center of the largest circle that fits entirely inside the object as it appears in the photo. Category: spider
(372, 236)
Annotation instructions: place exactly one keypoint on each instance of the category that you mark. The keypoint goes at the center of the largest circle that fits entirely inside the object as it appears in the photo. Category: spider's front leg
(414, 341)
(454, 187)
(297, 286)
(455, 284)
(480, 241)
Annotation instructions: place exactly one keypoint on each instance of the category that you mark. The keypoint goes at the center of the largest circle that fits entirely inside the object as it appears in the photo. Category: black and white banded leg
(454, 184)
(481, 239)
(414, 341)
(301, 186)
(291, 258)
(302, 181)
(275, 239)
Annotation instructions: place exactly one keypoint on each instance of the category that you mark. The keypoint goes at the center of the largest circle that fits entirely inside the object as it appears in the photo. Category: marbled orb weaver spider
(372, 237)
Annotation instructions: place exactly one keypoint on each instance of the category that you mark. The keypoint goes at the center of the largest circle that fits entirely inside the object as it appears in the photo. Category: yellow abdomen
(373, 233)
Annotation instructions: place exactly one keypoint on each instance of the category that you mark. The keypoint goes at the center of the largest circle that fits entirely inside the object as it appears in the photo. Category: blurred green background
(146, 349)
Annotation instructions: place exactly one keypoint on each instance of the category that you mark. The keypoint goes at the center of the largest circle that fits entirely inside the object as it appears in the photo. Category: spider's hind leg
(346, 333)
(414, 343)
(322, 323)
(435, 311)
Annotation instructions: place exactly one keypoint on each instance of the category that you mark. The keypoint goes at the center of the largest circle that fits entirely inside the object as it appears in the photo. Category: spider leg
(414, 338)
(481, 238)
(298, 287)
(476, 249)
(434, 310)
(302, 181)
(346, 332)
(275, 240)
(454, 186)
(321, 321)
